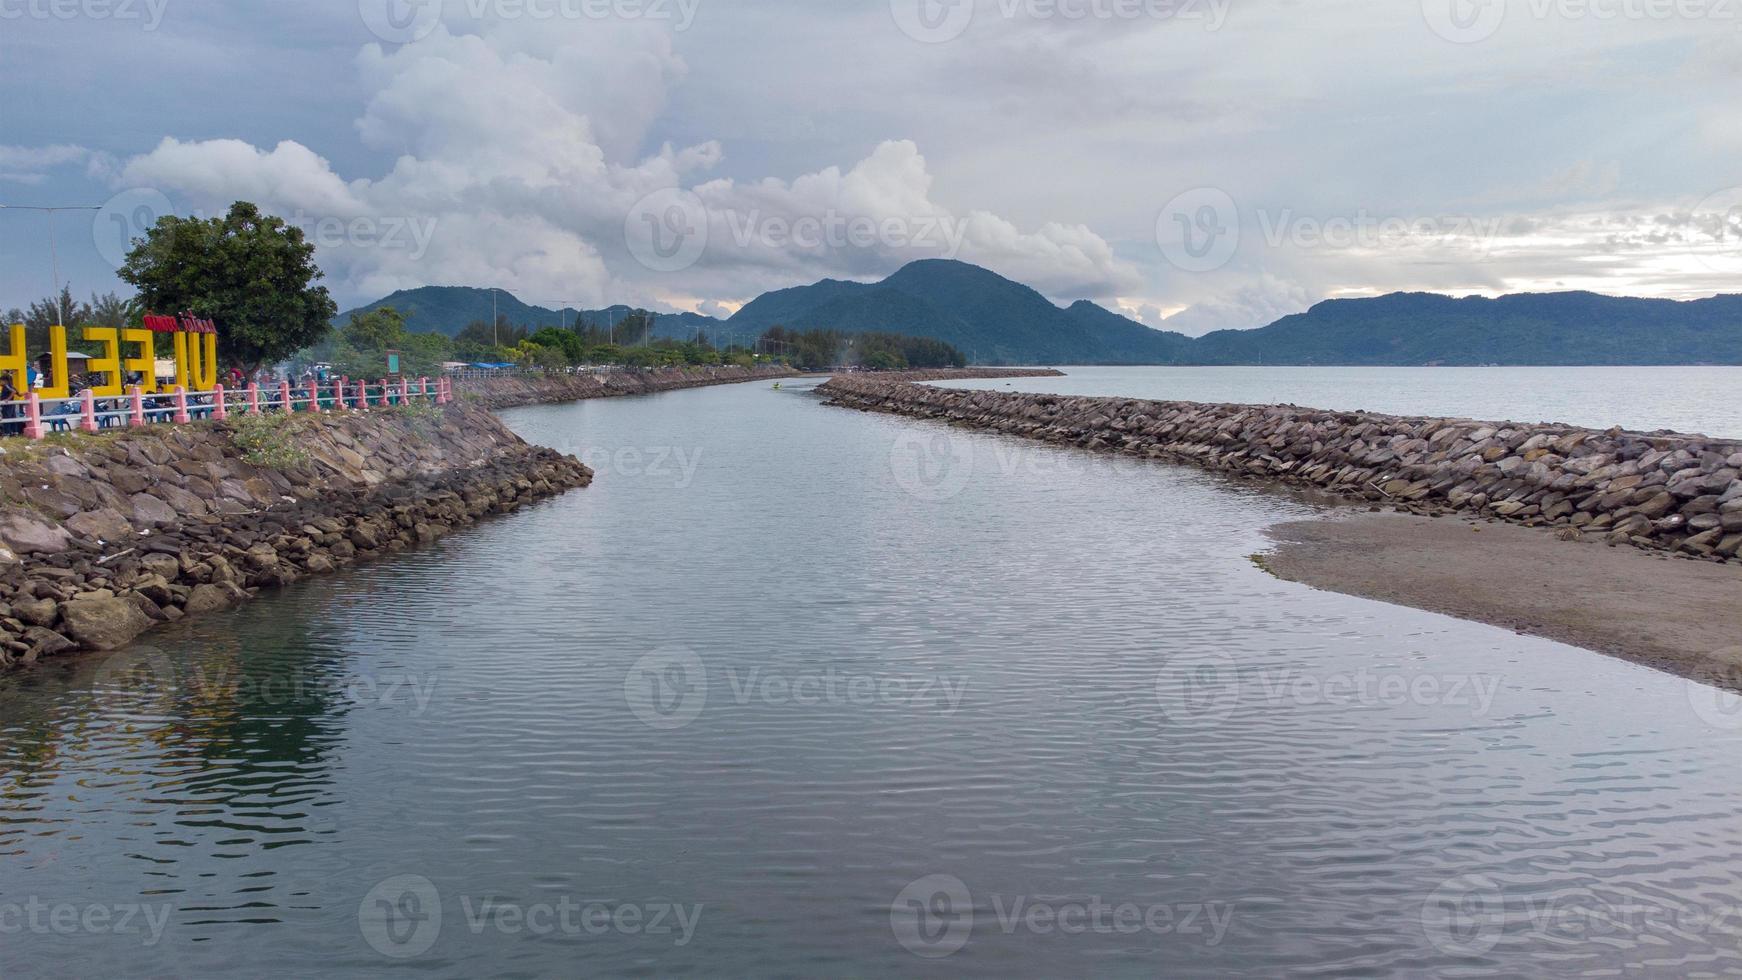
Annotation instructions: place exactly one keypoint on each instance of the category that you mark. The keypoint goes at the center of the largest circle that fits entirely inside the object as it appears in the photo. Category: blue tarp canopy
(492, 367)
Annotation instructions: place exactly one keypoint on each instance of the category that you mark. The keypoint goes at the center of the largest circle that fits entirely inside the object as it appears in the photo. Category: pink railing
(34, 417)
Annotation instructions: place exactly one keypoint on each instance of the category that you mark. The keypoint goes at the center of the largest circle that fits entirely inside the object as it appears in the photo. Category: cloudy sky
(1216, 163)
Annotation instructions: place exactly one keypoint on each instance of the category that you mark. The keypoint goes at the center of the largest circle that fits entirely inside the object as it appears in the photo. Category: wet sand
(1680, 616)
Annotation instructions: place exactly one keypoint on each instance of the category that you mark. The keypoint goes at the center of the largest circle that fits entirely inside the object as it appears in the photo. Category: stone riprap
(1660, 490)
(509, 391)
(103, 536)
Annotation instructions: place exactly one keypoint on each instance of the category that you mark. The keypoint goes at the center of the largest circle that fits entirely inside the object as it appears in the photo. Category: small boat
(777, 386)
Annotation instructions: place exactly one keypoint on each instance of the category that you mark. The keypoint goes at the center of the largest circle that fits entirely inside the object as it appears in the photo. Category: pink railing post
(404, 390)
(423, 388)
(218, 410)
(314, 395)
(386, 393)
(339, 395)
(181, 405)
(32, 416)
(88, 411)
(137, 416)
(362, 395)
(284, 395)
(253, 398)
(442, 391)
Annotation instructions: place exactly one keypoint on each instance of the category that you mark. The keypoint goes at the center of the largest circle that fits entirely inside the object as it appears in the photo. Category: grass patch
(268, 439)
(1262, 561)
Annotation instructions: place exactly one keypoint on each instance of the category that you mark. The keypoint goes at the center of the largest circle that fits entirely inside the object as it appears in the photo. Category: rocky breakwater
(509, 391)
(1660, 490)
(957, 374)
(102, 536)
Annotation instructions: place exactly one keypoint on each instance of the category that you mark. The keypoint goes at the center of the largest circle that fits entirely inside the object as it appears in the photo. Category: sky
(1194, 164)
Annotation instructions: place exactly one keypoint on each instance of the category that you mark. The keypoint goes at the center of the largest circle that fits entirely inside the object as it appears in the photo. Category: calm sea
(794, 690)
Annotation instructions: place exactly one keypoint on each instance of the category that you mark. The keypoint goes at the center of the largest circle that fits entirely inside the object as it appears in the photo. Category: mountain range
(996, 321)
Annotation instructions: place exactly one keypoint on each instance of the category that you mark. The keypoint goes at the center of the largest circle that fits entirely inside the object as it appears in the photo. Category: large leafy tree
(251, 273)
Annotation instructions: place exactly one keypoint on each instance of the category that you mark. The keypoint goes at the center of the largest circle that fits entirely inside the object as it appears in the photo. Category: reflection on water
(796, 690)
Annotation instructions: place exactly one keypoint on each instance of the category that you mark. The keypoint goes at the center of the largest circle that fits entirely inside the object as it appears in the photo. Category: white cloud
(31, 164)
(518, 154)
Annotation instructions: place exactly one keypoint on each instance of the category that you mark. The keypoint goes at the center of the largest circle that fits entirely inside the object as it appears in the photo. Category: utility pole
(495, 338)
(53, 252)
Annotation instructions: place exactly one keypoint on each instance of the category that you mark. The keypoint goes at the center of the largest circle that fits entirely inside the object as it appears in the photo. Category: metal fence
(34, 417)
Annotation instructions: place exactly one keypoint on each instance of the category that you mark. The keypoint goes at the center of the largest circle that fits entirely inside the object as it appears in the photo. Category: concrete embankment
(538, 389)
(102, 536)
(1653, 490)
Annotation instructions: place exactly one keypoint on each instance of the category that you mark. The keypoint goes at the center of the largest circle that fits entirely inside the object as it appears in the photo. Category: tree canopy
(251, 273)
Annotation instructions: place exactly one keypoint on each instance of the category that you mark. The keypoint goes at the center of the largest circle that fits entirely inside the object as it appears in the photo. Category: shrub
(268, 440)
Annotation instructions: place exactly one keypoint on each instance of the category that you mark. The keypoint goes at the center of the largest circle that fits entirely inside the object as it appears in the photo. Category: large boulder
(105, 524)
(207, 599)
(28, 535)
(104, 623)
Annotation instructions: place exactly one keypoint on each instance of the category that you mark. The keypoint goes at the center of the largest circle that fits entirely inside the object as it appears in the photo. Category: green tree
(378, 329)
(251, 273)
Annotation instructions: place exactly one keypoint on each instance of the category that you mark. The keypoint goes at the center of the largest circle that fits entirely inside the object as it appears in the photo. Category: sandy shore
(1680, 616)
